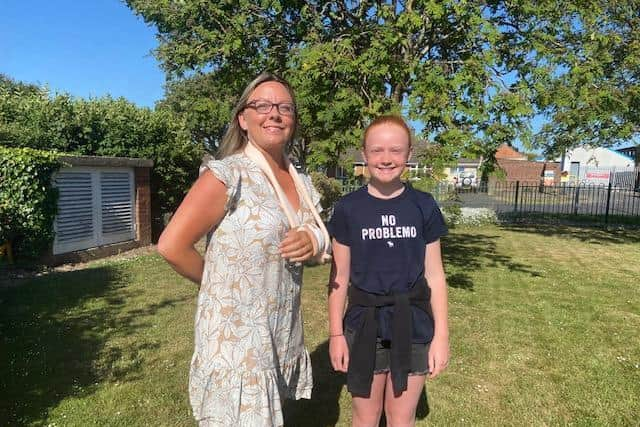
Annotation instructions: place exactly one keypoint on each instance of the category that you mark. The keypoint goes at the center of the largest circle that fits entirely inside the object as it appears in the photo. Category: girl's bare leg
(366, 411)
(401, 410)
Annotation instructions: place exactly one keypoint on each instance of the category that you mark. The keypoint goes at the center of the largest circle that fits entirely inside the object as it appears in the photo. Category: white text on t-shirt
(389, 230)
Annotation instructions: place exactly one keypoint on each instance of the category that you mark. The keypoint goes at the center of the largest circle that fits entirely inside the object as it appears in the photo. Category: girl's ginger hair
(388, 119)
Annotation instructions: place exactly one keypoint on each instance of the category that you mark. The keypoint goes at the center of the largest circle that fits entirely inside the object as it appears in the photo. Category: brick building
(516, 167)
(530, 172)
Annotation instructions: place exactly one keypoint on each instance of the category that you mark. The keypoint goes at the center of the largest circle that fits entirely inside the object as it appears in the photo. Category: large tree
(473, 74)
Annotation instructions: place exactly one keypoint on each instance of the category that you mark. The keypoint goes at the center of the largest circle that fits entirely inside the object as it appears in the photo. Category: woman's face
(273, 129)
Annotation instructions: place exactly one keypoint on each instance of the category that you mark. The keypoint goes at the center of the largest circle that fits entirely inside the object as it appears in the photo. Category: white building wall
(596, 158)
(596, 165)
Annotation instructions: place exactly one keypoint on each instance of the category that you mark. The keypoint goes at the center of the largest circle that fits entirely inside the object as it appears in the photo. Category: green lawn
(544, 326)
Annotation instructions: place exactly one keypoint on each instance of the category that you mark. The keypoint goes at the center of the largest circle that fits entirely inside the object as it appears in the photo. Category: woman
(249, 350)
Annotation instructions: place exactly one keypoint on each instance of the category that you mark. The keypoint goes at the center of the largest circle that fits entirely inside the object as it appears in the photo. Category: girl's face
(386, 151)
(269, 128)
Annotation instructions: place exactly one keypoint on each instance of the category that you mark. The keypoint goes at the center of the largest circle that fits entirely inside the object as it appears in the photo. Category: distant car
(467, 180)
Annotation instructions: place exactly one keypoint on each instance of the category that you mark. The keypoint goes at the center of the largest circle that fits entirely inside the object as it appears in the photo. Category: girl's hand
(296, 246)
(339, 353)
(438, 357)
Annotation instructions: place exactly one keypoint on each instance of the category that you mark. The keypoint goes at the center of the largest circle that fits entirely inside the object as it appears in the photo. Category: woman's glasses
(265, 107)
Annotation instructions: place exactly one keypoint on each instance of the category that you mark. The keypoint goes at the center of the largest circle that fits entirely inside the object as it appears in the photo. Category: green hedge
(28, 201)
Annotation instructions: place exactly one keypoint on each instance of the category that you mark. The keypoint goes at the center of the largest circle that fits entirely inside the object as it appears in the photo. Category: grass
(544, 328)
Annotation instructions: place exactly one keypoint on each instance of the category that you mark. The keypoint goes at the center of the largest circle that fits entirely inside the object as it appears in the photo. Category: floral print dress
(249, 351)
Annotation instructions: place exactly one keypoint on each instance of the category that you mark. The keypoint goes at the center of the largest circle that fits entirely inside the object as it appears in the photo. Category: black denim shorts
(419, 355)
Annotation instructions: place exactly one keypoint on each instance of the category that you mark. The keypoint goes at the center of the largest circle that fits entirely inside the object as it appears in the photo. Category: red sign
(598, 175)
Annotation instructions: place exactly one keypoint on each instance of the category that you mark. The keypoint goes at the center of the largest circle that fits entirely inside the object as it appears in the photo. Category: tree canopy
(474, 74)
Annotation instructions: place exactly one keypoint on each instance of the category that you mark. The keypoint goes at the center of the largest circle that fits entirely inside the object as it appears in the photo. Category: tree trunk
(396, 94)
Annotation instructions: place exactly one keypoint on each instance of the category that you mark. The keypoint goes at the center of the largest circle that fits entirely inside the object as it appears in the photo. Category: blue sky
(85, 48)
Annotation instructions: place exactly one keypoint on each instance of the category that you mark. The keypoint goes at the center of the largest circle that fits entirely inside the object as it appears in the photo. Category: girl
(386, 245)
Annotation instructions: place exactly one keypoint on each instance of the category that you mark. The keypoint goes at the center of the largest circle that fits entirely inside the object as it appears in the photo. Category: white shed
(102, 201)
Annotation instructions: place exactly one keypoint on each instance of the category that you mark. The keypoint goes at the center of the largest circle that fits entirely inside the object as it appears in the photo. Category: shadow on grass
(598, 235)
(323, 409)
(465, 252)
(56, 334)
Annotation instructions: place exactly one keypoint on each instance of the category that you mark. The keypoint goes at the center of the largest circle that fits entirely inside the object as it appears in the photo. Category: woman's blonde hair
(235, 137)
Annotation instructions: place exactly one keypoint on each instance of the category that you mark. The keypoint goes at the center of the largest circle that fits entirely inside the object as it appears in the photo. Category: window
(574, 171)
(341, 173)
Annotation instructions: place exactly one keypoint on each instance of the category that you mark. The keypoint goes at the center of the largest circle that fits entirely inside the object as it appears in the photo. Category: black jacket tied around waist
(363, 351)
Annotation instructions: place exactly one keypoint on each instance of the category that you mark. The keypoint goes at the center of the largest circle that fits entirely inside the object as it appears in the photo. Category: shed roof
(106, 161)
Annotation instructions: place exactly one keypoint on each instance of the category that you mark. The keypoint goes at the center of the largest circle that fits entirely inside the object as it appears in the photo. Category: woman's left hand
(438, 356)
(296, 246)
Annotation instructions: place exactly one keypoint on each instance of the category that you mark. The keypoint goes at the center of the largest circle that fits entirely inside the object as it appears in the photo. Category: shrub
(425, 183)
(330, 191)
(451, 214)
(455, 215)
(28, 201)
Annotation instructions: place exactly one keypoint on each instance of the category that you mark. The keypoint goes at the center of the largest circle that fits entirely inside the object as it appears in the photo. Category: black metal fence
(532, 201)
(350, 185)
(607, 204)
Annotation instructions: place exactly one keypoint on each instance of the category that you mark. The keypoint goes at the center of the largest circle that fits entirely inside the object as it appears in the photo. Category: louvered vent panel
(75, 212)
(117, 204)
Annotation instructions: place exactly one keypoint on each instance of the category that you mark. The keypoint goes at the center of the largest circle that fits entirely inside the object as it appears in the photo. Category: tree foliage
(473, 73)
(591, 92)
(103, 127)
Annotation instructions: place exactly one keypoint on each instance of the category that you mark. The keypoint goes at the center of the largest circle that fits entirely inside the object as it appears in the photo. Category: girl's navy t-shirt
(387, 240)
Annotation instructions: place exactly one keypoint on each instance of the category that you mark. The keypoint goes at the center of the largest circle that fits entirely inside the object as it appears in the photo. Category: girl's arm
(434, 273)
(338, 284)
(200, 211)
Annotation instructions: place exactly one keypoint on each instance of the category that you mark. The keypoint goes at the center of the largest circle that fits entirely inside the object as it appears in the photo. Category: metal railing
(581, 202)
(615, 203)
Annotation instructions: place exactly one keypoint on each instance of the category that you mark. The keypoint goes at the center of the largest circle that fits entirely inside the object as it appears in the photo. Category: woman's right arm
(202, 209)
(338, 284)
